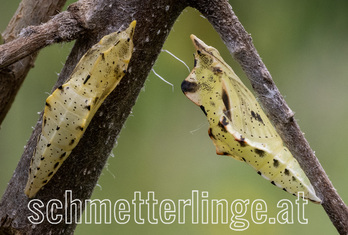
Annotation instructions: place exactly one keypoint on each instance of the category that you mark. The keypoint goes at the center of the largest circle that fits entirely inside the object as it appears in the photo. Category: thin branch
(29, 12)
(238, 41)
(62, 28)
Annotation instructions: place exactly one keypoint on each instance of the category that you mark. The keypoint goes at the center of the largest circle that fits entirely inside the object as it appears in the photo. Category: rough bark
(155, 19)
(29, 12)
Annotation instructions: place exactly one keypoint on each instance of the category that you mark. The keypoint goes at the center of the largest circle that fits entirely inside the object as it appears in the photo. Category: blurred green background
(164, 146)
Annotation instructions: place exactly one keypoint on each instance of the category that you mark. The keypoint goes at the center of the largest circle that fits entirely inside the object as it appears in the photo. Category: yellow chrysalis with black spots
(71, 107)
(238, 126)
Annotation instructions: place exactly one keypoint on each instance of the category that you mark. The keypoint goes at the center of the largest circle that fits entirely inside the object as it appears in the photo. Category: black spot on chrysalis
(275, 163)
(241, 141)
(226, 101)
(256, 116)
(48, 105)
(203, 109)
(48, 145)
(253, 114)
(210, 133)
(88, 107)
(272, 182)
(259, 172)
(56, 165)
(86, 79)
(224, 121)
(117, 43)
(79, 128)
(44, 182)
(260, 152)
(72, 142)
(190, 87)
(51, 173)
(223, 128)
(286, 172)
(57, 128)
(62, 156)
(217, 70)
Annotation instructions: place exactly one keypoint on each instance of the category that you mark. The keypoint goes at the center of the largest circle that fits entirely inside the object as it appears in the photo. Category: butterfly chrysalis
(71, 107)
(238, 126)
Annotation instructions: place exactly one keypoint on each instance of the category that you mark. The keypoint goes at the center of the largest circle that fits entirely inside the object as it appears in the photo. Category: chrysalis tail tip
(314, 198)
(29, 193)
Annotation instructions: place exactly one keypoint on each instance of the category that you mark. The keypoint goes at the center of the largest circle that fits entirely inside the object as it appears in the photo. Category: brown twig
(62, 28)
(29, 12)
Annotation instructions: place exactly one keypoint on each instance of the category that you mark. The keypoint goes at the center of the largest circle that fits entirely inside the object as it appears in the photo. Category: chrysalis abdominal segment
(71, 107)
(238, 126)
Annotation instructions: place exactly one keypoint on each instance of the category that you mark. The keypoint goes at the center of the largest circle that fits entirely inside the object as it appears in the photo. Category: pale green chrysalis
(238, 126)
(72, 106)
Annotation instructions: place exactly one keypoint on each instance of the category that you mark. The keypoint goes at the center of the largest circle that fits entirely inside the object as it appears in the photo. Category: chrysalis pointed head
(198, 43)
(191, 86)
(131, 28)
(203, 49)
(126, 42)
(196, 83)
(122, 40)
(126, 34)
